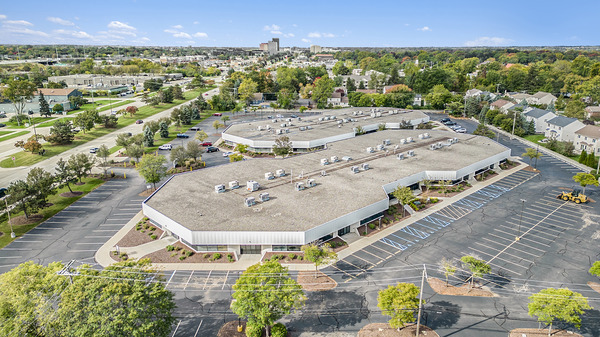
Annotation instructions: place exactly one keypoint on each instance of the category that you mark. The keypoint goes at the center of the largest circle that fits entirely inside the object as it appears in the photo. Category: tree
(448, 268)
(86, 120)
(148, 137)
(64, 175)
(19, 92)
(561, 304)
(477, 267)
(193, 150)
(282, 146)
(58, 108)
(585, 179)
(217, 125)
(439, 96)
(178, 156)
(153, 85)
(131, 110)
(201, 135)
(224, 119)
(235, 157)
(265, 293)
(575, 109)
(32, 146)
(583, 157)
(103, 152)
(163, 129)
(322, 90)
(241, 148)
(135, 150)
(246, 90)
(20, 197)
(166, 95)
(350, 85)
(123, 139)
(177, 92)
(531, 153)
(595, 269)
(400, 303)
(152, 168)
(319, 255)
(81, 164)
(44, 106)
(109, 121)
(286, 98)
(404, 195)
(483, 130)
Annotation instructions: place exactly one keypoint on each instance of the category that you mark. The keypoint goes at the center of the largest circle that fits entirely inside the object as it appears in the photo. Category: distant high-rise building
(264, 46)
(273, 45)
(314, 49)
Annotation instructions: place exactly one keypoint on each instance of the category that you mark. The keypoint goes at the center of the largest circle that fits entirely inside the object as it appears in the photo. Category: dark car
(207, 144)
(293, 116)
(449, 123)
(2, 125)
(212, 149)
(444, 120)
(2, 115)
(139, 121)
(182, 135)
(3, 192)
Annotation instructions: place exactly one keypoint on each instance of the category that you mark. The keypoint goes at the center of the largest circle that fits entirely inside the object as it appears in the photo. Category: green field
(534, 138)
(4, 133)
(58, 203)
(26, 158)
(50, 123)
(13, 135)
(34, 120)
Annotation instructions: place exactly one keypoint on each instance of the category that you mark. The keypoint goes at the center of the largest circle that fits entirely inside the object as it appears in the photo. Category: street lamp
(518, 237)
(12, 233)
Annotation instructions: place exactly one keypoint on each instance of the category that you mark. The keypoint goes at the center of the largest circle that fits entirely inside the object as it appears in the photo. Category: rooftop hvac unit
(268, 127)
(280, 173)
(299, 186)
(311, 183)
(432, 147)
(373, 114)
(454, 140)
(360, 112)
(439, 144)
(339, 122)
(290, 124)
(386, 142)
(354, 113)
(402, 141)
(354, 169)
(269, 176)
(426, 135)
(274, 120)
(333, 117)
(302, 128)
(220, 188)
(234, 184)
(364, 166)
(420, 136)
(320, 119)
(289, 119)
(278, 131)
(370, 150)
(283, 125)
(263, 197)
(346, 158)
(252, 186)
(308, 127)
(260, 128)
(345, 120)
(409, 139)
(400, 156)
(324, 161)
(380, 147)
(249, 201)
(410, 153)
(378, 114)
(334, 159)
(287, 130)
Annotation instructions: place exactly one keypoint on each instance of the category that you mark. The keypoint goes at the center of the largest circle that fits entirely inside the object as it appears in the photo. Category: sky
(347, 23)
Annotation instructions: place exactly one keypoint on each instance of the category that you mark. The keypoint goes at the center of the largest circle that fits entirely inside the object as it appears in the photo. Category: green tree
(148, 137)
(265, 293)
(64, 175)
(81, 164)
(531, 153)
(20, 197)
(135, 150)
(575, 109)
(400, 303)
(591, 160)
(404, 195)
(217, 125)
(103, 153)
(561, 304)
(246, 90)
(241, 148)
(177, 92)
(86, 120)
(583, 157)
(235, 157)
(439, 96)
(201, 135)
(477, 267)
(286, 99)
(58, 108)
(585, 179)
(152, 168)
(595, 269)
(44, 106)
(19, 92)
(193, 150)
(350, 85)
(224, 119)
(483, 130)
(163, 129)
(448, 268)
(178, 156)
(319, 255)
(340, 69)
(282, 146)
(322, 90)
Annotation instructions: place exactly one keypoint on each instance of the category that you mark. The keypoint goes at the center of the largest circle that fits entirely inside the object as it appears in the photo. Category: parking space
(200, 280)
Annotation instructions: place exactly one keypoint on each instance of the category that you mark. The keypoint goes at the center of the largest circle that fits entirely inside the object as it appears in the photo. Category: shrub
(170, 248)
(365, 233)
(184, 252)
(230, 258)
(189, 253)
(143, 231)
(146, 226)
(372, 225)
(206, 256)
(278, 330)
(253, 330)
(145, 218)
(115, 253)
(182, 257)
(216, 256)
(138, 227)
(177, 248)
(292, 256)
(152, 229)
(300, 258)
(434, 200)
(173, 254)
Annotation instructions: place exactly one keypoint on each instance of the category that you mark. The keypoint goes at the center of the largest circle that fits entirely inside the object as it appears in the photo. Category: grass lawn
(51, 123)
(105, 105)
(4, 133)
(13, 135)
(114, 149)
(534, 138)
(59, 203)
(34, 120)
(95, 105)
(26, 158)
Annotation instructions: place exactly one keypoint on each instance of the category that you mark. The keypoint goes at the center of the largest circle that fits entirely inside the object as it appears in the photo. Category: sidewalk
(103, 254)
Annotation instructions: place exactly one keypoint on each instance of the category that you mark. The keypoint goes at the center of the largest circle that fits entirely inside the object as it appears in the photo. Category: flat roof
(320, 129)
(190, 198)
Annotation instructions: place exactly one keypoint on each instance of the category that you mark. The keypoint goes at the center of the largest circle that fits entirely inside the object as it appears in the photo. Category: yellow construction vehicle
(575, 196)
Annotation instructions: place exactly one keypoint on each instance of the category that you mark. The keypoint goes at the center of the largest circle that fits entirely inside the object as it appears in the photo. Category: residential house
(367, 91)
(357, 79)
(473, 93)
(257, 99)
(539, 118)
(419, 100)
(338, 98)
(588, 138)
(592, 112)
(501, 105)
(562, 128)
(542, 98)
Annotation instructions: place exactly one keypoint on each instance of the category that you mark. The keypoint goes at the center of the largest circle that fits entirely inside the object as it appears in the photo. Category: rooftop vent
(287, 130)
(454, 140)
(252, 186)
(432, 147)
(249, 201)
(308, 127)
(260, 128)
(420, 136)
(269, 176)
(334, 159)
(220, 188)
(354, 169)
(283, 125)
(280, 173)
(410, 153)
(378, 114)
(324, 161)
(311, 183)
(364, 166)
(400, 156)
(409, 139)
(346, 158)
(263, 197)
(386, 142)
(320, 119)
(370, 150)
(299, 186)
(332, 117)
(439, 144)
(402, 141)
(302, 128)
(289, 119)
(373, 114)
(380, 147)
(426, 135)
(234, 184)
(278, 131)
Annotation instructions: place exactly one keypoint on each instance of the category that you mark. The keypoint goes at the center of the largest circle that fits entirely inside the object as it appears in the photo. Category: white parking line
(207, 277)
(111, 224)
(130, 209)
(375, 255)
(81, 250)
(114, 219)
(38, 234)
(498, 258)
(559, 216)
(225, 281)
(512, 239)
(103, 230)
(515, 256)
(88, 243)
(30, 241)
(552, 237)
(198, 329)
(547, 222)
(98, 236)
(177, 327)
(522, 251)
(8, 248)
(11, 257)
(41, 227)
(188, 280)
(170, 278)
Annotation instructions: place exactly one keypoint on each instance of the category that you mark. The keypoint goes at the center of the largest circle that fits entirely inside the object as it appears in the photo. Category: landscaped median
(28, 158)
(11, 135)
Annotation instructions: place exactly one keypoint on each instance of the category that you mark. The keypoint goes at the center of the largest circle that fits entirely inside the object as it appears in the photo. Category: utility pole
(520, 220)
(420, 301)
(66, 271)
(537, 150)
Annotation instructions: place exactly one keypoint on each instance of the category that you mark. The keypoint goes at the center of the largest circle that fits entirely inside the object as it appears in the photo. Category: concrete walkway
(245, 261)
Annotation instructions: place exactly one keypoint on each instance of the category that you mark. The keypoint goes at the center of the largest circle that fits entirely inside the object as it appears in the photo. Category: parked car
(445, 120)
(456, 126)
(293, 116)
(195, 128)
(182, 135)
(166, 147)
(279, 116)
(94, 150)
(227, 154)
(461, 130)
(217, 114)
(3, 192)
(206, 144)
(2, 115)
(139, 121)
(450, 123)
(2, 125)
(270, 117)
(212, 149)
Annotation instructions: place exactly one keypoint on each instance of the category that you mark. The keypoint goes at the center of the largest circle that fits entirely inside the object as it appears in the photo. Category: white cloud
(171, 31)
(328, 35)
(201, 35)
(319, 35)
(407, 24)
(60, 21)
(276, 32)
(120, 26)
(289, 35)
(272, 27)
(306, 40)
(2, 16)
(488, 41)
(178, 27)
(196, 22)
(294, 25)
(182, 35)
(18, 23)
(74, 33)
(25, 31)
(145, 39)
(424, 29)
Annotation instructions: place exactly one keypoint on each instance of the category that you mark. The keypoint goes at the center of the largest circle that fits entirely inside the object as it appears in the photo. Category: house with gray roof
(562, 128)
(588, 138)
(539, 118)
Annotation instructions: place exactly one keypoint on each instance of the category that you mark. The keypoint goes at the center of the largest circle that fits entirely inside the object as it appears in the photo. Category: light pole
(537, 151)
(12, 233)
(518, 237)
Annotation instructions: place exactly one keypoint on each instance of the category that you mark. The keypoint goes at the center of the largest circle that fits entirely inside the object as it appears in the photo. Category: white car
(227, 153)
(165, 147)
(461, 130)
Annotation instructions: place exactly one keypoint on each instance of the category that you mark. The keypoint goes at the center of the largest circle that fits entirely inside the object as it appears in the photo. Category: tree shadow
(590, 324)
(441, 314)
